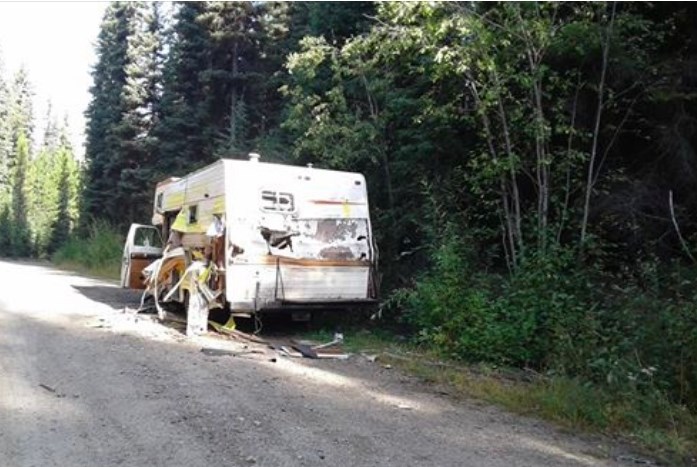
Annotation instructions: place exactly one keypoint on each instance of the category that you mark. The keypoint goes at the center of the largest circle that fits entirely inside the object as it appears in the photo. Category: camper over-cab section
(279, 236)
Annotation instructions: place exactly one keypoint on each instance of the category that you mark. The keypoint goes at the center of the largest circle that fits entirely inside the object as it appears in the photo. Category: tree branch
(677, 228)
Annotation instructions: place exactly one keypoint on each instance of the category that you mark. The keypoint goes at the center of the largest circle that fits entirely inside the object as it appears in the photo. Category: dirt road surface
(84, 384)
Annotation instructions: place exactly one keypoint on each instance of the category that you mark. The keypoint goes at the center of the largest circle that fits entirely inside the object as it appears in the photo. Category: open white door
(143, 246)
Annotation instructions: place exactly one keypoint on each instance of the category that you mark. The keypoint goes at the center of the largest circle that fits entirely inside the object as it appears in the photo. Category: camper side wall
(199, 196)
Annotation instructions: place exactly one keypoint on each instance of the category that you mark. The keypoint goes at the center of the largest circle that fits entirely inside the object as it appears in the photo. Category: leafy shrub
(632, 333)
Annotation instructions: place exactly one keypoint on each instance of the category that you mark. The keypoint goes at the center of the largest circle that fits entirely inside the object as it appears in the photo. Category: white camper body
(290, 237)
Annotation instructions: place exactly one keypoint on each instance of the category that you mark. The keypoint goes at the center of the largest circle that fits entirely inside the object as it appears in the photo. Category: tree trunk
(513, 179)
(567, 187)
(509, 223)
(233, 143)
(596, 129)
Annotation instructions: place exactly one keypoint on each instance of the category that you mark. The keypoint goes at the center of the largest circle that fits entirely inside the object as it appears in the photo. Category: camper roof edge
(254, 158)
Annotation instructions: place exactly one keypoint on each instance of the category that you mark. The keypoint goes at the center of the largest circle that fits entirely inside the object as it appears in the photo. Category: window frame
(192, 217)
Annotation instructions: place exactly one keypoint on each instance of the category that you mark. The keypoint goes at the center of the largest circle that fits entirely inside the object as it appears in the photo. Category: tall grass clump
(99, 252)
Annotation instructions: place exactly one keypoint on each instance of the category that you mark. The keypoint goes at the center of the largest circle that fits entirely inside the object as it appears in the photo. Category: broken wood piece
(211, 352)
(236, 333)
(216, 352)
(47, 387)
(335, 356)
(289, 352)
(305, 350)
(297, 350)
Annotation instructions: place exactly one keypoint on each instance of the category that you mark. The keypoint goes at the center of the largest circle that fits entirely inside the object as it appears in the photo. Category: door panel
(143, 246)
(136, 268)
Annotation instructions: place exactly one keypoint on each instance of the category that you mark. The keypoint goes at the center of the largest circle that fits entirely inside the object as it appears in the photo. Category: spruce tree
(104, 112)
(123, 112)
(60, 229)
(234, 33)
(51, 134)
(5, 230)
(21, 107)
(5, 131)
(337, 21)
(185, 134)
(41, 197)
(20, 236)
(140, 107)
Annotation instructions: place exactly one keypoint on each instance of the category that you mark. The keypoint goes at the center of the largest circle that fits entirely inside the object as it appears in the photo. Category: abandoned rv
(254, 237)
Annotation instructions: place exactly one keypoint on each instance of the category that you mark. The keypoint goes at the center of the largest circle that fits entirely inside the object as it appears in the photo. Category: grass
(98, 253)
(655, 426)
(107, 272)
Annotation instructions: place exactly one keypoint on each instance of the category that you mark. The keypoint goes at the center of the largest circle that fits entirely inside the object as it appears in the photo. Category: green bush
(99, 252)
(632, 333)
(522, 320)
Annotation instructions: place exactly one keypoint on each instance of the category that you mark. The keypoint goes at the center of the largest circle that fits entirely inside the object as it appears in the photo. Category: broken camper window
(147, 237)
(275, 201)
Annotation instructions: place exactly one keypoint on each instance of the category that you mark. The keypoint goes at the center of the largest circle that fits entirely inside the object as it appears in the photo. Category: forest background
(531, 169)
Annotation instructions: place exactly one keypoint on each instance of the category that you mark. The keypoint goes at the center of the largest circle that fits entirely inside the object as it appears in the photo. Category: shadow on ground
(114, 297)
(173, 405)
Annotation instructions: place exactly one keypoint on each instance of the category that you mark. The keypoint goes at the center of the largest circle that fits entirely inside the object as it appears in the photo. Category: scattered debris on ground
(212, 352)
(177, 326)
(307, 349)
(635, 460)
(47, 387)
(235, 333)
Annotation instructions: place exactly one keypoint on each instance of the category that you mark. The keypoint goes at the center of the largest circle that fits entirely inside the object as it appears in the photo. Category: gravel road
(84, 384)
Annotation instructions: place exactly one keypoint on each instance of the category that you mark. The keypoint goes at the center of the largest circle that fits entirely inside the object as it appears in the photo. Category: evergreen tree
(52, 191)
(337, 21)
(20, 236)
(5, 131)
(5, 230)
(64, 134)
(123, 111)
(140, 104)
(233, 30)
(21, 107)
(50, 139)
(104, 112)
(185, 135)
(41, 197)
(62, 224)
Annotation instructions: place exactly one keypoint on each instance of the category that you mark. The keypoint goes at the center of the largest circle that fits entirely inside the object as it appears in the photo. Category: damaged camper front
(306, 239)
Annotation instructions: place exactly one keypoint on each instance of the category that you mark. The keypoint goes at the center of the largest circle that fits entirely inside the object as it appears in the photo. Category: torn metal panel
(343, 239)
(339, 239)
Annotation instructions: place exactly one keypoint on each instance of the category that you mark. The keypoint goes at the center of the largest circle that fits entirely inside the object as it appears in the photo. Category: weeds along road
(83, 384)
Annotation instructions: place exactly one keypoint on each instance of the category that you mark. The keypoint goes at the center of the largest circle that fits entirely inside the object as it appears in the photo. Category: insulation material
(217, 228)
(196, 313)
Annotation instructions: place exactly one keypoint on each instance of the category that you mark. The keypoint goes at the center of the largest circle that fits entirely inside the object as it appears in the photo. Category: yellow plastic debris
(180, 222)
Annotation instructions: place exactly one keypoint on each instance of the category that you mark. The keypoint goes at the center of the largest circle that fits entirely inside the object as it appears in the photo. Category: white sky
(55, 43)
